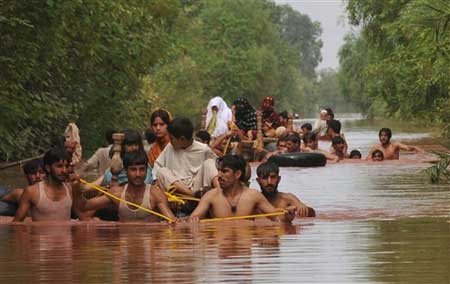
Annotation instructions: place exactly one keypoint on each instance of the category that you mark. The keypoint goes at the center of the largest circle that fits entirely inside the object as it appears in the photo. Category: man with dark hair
(391, 150)
(293, 143)
(101, 160)
(306, 129)
(50, 199)
(135, 190)
(268, 179)
(233, 197)
(355, 154)
(338, 147)
(34, 173)
(185, 164)
(377, 156)
(312, 145)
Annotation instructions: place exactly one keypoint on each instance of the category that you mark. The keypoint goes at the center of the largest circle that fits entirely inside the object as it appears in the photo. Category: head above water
(236, 163)
(330, 114)
(334, 126)
(311, 141)
(355, 154)
(268, 178)
(135, 164)
(385, 135)
(34, 171)
(377, 155)
(293, 143)
(56, 162)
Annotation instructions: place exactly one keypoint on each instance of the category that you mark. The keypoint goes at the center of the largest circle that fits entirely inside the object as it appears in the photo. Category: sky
(331, 15)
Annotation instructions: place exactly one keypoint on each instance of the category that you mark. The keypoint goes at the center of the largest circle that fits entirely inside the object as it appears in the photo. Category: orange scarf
(157, 148)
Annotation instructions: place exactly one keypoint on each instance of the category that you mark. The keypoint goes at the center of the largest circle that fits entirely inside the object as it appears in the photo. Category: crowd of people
(206, 167)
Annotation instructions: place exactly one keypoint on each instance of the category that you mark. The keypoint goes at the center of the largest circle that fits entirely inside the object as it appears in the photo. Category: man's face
(292, 147)
(228, 177)
(339, 147)
(312, 144)
(136, 174)
(59, 170)
(384, 138)
(269, 184)
(36, 177)
(281, 146)
(159, 127)
(131, 147)
(305, 131)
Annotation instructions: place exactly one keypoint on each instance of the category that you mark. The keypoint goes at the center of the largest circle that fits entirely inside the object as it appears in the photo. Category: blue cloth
(123, 179)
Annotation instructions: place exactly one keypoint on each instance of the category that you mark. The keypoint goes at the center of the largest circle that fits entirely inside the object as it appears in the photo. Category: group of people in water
(206, 169)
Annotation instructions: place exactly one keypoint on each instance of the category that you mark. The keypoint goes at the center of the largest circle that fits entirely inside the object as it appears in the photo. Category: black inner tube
(299, 159)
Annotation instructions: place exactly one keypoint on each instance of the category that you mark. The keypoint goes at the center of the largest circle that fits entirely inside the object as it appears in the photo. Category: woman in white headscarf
(217, 117)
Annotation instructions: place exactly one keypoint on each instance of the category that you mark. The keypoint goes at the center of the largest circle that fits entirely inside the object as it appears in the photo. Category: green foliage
(107, 64)
(400, 58)
(440, 170)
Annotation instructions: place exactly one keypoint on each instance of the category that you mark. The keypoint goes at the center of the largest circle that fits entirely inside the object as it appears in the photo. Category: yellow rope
(174, 198)
(244, 217)
(105, 192)
(226, 146)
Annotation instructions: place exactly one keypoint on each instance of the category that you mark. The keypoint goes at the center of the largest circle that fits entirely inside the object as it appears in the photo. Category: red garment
(268, 112)
(157, 148)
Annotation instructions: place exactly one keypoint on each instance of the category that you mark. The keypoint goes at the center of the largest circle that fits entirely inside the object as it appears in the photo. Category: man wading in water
(50, 199)
(136, 191)
(391, 150)
(233, 198)
(268, 179)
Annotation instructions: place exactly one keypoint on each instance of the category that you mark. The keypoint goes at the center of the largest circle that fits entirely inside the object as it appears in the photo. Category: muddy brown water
(376, 223)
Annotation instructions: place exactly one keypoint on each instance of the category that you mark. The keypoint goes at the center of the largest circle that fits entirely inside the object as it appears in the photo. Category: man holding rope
(149, 197)
(233, 198)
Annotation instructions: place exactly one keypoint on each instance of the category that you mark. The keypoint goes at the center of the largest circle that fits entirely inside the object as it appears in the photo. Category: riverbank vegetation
(397, 64)
(107, 64)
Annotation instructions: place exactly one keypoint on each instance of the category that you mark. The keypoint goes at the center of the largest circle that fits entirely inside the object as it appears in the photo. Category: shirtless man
(233, 198)
(268, 180)
(312, 145)
(339, 148)
(50, 199)
(391, 150)
(136, 191)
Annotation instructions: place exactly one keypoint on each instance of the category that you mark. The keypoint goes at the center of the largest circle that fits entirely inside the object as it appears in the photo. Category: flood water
(376, 223)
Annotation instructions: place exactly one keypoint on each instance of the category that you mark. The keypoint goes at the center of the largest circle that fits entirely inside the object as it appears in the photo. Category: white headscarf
(224, 115)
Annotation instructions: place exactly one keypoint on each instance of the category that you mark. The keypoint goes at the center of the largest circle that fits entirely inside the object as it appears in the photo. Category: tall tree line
(108, 64)
(397, 65)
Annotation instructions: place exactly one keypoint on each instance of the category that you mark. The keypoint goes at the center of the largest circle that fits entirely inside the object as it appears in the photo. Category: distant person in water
(312, 145)
(268, 179)
(377, 156)
(34, 173)
(50, 199)
(355, 154)
(293, 143)
(233, 197)
(338, 148)
(391, 150)
(135, 190)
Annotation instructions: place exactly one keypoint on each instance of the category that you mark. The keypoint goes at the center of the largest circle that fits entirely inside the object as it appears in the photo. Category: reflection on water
(376, 222)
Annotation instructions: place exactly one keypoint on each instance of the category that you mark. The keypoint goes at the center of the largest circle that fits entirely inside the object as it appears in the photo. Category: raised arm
(25, 204)
(409, 148)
